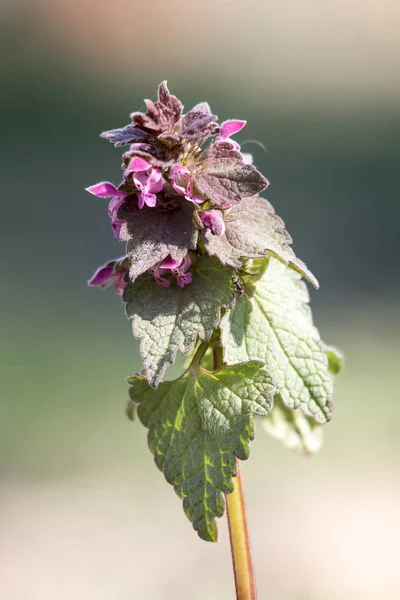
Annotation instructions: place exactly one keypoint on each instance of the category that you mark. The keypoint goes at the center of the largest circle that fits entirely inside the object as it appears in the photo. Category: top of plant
(187, 188)
(208, 264)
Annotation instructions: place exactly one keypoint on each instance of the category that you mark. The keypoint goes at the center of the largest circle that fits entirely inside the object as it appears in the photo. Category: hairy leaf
(292, 427)
(198, 125)
(222, 176)
(198, 426)
(272, 322)
(125, 135)
(253, 230)
(203, 107)
(162, 115)
(153, 233)
(166, 320)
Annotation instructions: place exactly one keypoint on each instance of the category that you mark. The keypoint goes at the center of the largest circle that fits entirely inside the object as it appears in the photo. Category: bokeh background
(84, 513)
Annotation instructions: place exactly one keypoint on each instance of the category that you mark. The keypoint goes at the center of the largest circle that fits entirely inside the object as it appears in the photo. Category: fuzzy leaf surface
(166, 320)
(198, 426)
(125, 135)
(198, 125)
(253, 230)
(293, 428)
(272, 322)
(160, 115)
(222, 175)
(152, 233)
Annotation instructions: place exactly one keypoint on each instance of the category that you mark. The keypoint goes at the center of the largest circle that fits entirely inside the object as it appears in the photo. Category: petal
(180, 179)
(178, 188)
(162, 281)
(196, 199)
(170, 263)
(186, 264)
(104, 190)
(178, 170)
(149, 199)
(116, 225)
(103, 276)
(140, 179)
(229, 128)
(214, 221)
(114, 205)
(137, 164)
(183, 280)
(120, 283)
(155, 181)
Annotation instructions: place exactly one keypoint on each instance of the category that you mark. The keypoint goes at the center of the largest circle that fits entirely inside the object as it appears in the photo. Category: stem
(238, 533)
(200, 352)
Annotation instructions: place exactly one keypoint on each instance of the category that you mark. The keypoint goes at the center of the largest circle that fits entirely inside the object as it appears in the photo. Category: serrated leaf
(198, 426)
(272, 322)
(293, 428)
(154, 233)
(222, 176)
(166, 320)
(161, 115)
(335, 359)
(198, 125)
(253, 230)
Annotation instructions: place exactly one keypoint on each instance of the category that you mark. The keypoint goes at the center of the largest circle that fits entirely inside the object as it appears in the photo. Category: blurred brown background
(84, 513)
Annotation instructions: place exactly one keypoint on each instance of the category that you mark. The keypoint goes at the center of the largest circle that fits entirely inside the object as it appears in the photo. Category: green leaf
(272, 322)
(293, 428)
(222, 176)
(335, 359)
(166, 320)
(154, 233)
(198, 425)
(253, 230)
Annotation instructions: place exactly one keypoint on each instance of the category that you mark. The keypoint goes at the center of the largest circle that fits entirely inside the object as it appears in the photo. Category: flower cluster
(182, 175)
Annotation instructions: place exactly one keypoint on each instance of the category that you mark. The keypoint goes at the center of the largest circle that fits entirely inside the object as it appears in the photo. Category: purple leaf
(225, 178)
(125, 135)
(161, 116)
(154, 233)
(171, 102)
(198, 125)
(253, 230)
(203, 107)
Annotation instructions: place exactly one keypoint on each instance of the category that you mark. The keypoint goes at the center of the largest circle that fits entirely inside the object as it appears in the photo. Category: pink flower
(148, 180)
(104, 275)
(182, 276)
(179, 268)
(214, 221)
(108, 190)
(182, 183)
(229, 128)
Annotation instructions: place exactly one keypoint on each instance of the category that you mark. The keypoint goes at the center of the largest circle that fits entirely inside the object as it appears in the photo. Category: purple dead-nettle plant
(209, 272)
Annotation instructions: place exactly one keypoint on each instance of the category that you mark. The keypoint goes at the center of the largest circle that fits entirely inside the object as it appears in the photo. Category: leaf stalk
(238, 531)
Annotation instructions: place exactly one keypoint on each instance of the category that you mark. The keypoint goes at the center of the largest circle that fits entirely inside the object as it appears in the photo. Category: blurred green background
(84, 513)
